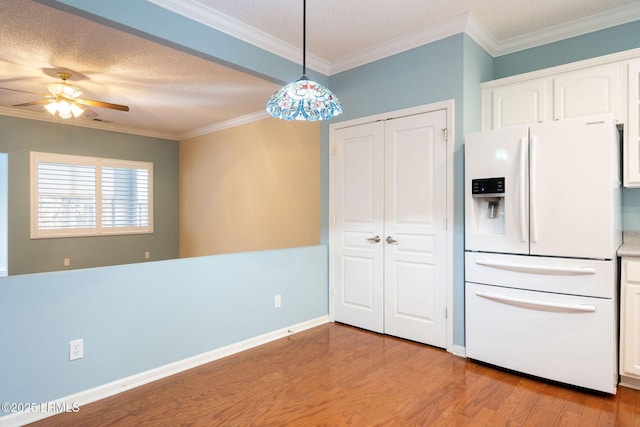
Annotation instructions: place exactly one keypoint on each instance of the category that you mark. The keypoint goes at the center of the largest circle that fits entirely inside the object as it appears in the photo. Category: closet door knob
(374, 239)
(391, 241)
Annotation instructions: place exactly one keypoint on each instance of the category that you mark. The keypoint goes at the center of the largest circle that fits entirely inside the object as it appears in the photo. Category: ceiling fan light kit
(64, 109)
(63, 88)
(304, 99)
(64, 100)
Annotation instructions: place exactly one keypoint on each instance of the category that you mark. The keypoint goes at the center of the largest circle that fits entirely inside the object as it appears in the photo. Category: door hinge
(333, 220)
(445, 132)
(334, 150)
(445, 312)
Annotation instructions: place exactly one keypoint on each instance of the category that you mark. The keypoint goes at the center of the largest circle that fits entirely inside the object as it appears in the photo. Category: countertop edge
(630, 244)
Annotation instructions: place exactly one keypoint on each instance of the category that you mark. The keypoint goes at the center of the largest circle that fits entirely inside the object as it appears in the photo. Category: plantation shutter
(87, 196)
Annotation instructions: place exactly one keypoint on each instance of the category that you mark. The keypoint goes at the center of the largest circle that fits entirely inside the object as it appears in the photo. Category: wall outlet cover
(76, 349)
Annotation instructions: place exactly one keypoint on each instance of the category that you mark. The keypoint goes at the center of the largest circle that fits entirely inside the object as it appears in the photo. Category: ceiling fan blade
(88, 112)
(40, 102)
(101, 104)
(46, 95)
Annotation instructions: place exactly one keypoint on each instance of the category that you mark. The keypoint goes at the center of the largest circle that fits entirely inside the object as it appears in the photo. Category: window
(89, 196)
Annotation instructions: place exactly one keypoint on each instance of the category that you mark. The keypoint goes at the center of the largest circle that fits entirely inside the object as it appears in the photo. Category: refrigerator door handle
(532, 190)
(537, 303)
(537, 269)
(523, 187)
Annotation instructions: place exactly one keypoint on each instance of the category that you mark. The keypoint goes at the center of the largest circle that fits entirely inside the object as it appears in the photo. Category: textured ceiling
(169, 92)
(174, 94)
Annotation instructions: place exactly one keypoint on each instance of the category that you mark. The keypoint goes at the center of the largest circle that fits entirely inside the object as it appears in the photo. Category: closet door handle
(374, 239)
(391, 240)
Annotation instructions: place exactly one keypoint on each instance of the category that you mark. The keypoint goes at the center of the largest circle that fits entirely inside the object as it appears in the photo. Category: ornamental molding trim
(466, 23)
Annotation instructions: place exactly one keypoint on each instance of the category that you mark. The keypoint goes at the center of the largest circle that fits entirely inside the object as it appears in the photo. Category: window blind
(74, 195)
(66, 196)
(125, 197)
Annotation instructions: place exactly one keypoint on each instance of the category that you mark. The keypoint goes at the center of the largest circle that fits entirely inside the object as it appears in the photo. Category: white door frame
(427, 108)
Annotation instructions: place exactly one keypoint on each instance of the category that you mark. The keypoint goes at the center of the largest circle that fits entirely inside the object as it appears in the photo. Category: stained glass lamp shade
(304, 99)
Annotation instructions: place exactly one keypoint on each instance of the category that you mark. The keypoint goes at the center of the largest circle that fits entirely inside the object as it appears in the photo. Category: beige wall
(251, 187)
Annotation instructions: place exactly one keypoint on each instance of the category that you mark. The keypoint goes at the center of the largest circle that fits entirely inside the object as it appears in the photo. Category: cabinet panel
(631, 347)
(590, 91)
(632, 129)
(630, 319)
(520, 103)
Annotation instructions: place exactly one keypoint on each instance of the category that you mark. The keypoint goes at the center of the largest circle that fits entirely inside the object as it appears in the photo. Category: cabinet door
(590, 91)
(632, 129)
(630, 319)
(520, 103)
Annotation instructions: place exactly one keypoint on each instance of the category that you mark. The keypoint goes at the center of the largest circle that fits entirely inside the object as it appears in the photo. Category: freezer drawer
(559, 337)
(559, 275)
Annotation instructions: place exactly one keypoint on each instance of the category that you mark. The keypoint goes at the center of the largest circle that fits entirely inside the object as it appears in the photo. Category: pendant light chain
(304, 37)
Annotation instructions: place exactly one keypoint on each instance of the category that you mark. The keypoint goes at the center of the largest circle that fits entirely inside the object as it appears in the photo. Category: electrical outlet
(67, 262)
(277, 301)
(76, 349)
(147, 255)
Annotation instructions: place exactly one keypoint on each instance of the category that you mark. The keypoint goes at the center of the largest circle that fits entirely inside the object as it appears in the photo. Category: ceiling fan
(64, 100)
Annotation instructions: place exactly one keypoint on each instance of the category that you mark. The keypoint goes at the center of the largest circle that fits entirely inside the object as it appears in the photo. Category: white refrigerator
(542, 226)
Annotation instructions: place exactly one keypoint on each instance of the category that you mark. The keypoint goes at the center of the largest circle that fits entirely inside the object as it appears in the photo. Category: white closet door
(415, 228)
(358, 231)
(389, 181)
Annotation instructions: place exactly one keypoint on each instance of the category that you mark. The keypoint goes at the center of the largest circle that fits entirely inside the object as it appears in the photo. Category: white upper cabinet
(520, 104)
(607, 84)
(576, 93)
(593, 90)
(631, 150)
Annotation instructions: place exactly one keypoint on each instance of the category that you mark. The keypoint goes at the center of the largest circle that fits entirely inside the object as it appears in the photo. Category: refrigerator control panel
(487, 187)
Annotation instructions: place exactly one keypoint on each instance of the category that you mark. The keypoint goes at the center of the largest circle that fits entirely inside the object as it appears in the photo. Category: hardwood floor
(336, 375)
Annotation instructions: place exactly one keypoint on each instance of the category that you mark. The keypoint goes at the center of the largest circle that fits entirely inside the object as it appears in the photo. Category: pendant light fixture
(304, 99)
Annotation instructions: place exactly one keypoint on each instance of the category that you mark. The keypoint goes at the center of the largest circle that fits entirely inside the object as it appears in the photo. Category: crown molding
(237, 121)
(454, 26)
(80, 122)
(483, 37)
(611, 18)
(196, 11)
(468, 24)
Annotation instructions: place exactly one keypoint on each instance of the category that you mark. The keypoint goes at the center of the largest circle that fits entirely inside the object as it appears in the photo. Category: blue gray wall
(18, 137)
(137, 317)
(598, 43)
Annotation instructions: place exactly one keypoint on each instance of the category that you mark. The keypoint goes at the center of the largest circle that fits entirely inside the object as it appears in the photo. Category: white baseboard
(630, 382)
(75, 401)
(459, 350)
